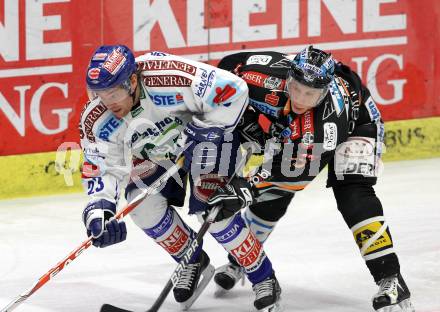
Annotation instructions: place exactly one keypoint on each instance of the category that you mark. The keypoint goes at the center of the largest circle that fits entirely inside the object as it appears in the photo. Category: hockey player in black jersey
(320, 114)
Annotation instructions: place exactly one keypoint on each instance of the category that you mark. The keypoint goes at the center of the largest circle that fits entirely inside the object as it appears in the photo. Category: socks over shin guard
(243, 245)
(173, 235)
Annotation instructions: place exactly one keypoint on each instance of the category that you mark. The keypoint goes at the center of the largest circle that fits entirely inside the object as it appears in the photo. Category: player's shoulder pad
(231, 61)
(345, 72)
(94, 114)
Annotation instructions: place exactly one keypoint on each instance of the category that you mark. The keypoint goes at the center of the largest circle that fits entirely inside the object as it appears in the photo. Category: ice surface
(314, 255)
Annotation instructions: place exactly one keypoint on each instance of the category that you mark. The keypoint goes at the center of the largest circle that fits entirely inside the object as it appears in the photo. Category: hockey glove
(235, 196)
(198, 150)
(104, 230)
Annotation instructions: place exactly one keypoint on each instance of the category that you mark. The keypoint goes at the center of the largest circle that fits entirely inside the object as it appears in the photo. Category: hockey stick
(86, 244)
(188, 253)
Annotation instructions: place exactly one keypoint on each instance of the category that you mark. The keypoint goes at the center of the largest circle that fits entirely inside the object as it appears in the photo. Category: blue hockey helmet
(312, 67)
(110, 66)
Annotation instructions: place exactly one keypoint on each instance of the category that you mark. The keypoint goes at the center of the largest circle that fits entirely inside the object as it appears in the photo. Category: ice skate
(267, 295)
(188, 288)
(227, 276)
(393, 295)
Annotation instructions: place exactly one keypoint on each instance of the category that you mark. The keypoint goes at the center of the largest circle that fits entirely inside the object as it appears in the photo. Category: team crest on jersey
(273, 83)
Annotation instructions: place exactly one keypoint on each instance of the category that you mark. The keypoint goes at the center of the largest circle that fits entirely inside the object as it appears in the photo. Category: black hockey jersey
(347, 123)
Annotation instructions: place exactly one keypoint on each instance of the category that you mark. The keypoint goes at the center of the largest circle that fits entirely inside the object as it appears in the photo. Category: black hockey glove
(235, 196)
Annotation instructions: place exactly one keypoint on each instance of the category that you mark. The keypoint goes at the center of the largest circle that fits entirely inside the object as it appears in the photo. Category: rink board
(44, 173)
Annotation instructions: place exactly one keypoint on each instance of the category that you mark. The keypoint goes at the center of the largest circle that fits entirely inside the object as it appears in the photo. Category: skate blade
(207, 275)
(403, 306)
(272, 308)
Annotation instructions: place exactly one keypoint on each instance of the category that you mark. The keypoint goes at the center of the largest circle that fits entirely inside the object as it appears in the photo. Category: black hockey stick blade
(111, 308)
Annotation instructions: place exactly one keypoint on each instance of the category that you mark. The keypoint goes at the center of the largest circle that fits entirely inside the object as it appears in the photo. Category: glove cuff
(99, 209)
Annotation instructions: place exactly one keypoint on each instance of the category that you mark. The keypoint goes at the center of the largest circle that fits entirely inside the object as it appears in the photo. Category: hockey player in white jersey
(143, 113)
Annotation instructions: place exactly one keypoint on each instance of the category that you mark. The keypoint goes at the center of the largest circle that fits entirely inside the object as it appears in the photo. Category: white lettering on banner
(9, 47)
(290, 18)
(146, 15)
(198, 34)
(372, 81)
(241, 28)
(343, 12)
(36, 24)
(373, 21)
(18, 120)
(63, 114)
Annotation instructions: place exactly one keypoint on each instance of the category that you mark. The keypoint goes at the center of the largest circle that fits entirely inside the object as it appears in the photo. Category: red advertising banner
(46, 44)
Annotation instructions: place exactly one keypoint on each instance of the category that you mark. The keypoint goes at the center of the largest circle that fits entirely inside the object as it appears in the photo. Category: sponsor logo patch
(373, 111)
(265, 108)
(114, 61)
(363, 234)
(273, 83)
(295, 128)
(167, 65)
(272, 99)
(206, 81)
(94, 73)
(330, 136)
(99, 57)
(167, 81)
(308, 129)
(248, 252)
(166, 99)
(90, 120)
(259, 59)
(356, 156)
(108, 127)
(174, 243)
(254, 78)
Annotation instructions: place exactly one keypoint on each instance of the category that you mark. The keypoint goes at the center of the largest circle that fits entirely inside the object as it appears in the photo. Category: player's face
(302, 97)
(117, 99)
